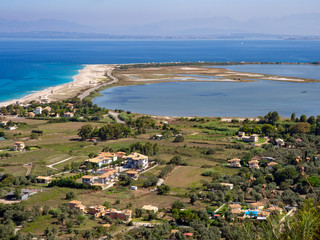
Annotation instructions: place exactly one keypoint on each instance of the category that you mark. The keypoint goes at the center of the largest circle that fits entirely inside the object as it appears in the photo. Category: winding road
(113, 80)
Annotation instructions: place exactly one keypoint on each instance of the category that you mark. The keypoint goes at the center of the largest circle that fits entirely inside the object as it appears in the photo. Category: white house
(137, 161)
(38, 110)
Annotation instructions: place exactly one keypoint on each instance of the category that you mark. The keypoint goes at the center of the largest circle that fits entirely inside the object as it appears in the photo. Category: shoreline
(93, 76)
(90, 76)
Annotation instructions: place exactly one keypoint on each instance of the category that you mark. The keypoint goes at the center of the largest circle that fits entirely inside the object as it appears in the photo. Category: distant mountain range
(293, 26)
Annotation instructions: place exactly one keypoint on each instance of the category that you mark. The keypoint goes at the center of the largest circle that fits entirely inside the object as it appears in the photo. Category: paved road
(109, 74)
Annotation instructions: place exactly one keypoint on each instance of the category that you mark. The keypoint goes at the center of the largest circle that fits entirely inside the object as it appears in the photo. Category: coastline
(93, 76)
(89, 77)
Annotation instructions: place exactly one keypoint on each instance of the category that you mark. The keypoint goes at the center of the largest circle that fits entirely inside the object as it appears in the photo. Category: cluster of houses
(104, 177)
(254, 163)
(255, 209)
(39, 110)
(134, 160)
(101, 211)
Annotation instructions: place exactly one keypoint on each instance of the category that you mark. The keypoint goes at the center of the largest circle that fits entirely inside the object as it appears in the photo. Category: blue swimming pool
(251, 213)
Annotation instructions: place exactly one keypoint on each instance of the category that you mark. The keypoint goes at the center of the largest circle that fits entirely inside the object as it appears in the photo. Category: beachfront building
(38, 110)
(150, 208)
(45, 180)
(103, 158)
(18, 146)
(137, 161)
(77, 205)
(234, 163)
(254, 164)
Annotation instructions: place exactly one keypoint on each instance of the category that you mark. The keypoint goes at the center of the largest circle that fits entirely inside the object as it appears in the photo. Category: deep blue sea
(31, 65)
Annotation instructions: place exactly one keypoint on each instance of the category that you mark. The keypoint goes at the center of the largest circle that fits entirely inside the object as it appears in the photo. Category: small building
(31, 114)
(47, 109)
(134, 188)
(236, 207)
(124, 215)
(18, 146)
(77, 205)
(229, 185)
(271, 165)
(137, 161)
(234, 163)
(108, 176)
(3, 123)
(38, 110)
(24, 195)
(97, 211)
(103, 158)
(150, 208)
(254, 164)
(120, 154)
(188, 235)
(263, 215)
(275, 209)
(256, 206)
(280, 142)
(68, 115)
(70, 105)
(88, 179)
(241, 134)
(133, 174)
(253, 138)
(45, 180)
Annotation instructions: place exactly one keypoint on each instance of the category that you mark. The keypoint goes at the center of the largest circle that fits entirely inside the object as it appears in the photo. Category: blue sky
(131, 12)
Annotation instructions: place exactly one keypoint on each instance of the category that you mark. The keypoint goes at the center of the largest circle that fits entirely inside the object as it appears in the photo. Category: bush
(178, 138)
(70, 195)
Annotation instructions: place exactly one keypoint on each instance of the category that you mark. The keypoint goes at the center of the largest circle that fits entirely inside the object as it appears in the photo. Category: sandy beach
(89, 77)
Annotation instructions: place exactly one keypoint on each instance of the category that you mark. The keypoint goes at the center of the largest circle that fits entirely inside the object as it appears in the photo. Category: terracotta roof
(234, 206)
(257, 204)
(88, 177)
(253, 162)
(272, 163)
(234, 160)
(136, 156)
(275, 208)
(75, 202)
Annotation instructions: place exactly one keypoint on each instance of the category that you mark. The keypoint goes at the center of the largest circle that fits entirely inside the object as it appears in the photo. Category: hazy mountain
(43, 25)
(300, 24)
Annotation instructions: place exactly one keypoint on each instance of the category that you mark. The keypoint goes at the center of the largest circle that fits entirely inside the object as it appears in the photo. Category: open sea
(32, 65)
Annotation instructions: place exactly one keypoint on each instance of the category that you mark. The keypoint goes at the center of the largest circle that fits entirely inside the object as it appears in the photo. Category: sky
(136, 12)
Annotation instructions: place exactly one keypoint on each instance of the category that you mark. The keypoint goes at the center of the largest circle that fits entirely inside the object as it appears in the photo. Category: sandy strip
(285, 79)
(88, 77)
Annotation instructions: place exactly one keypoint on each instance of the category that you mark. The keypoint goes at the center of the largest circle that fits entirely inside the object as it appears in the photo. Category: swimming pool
(251, 213)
